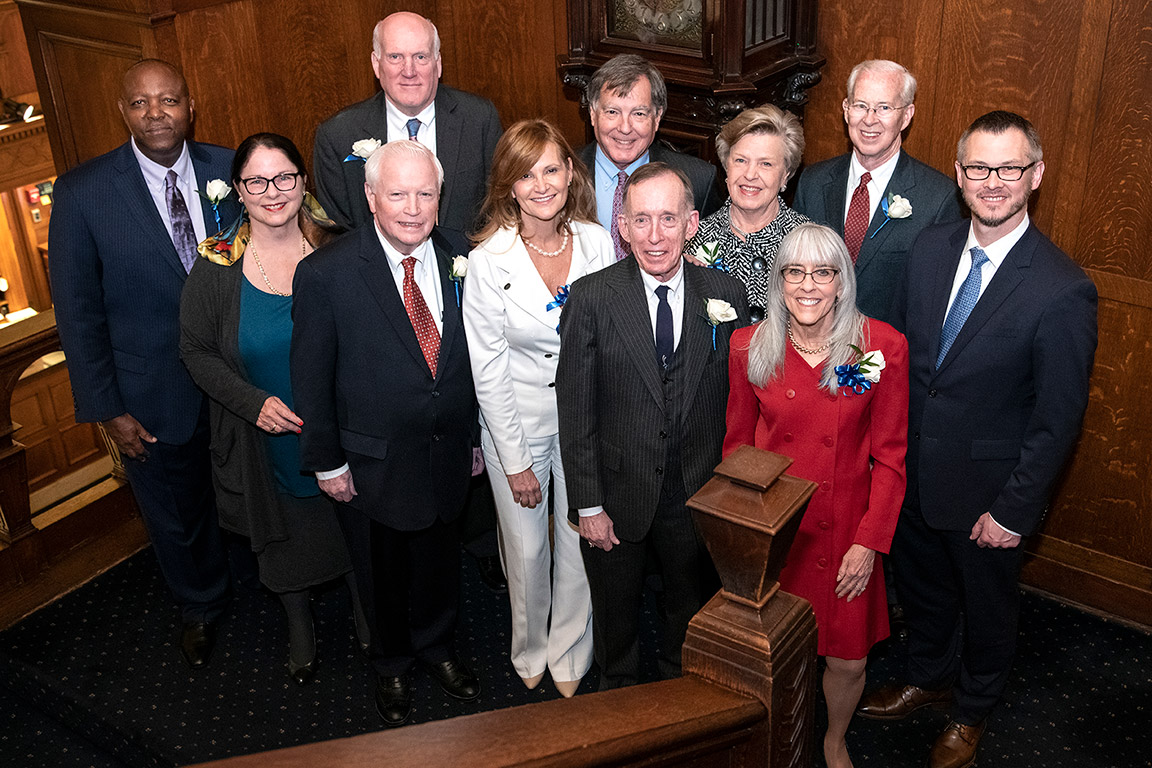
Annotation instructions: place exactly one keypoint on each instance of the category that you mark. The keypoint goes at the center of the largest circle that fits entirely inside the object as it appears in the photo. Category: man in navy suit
(626, 99)
(122, 238)
(879, 107)
(381, 378)
(1001, 329)
(460, 128)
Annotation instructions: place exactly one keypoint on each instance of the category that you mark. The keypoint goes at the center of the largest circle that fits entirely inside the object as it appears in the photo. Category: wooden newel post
(752, 637)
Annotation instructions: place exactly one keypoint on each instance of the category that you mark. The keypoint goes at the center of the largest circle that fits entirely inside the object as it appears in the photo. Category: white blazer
(512, 338)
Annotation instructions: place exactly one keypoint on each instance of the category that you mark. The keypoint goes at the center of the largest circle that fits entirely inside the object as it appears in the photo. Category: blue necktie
(966, 299)
(665, 340)
(413, 126)
(183, 234)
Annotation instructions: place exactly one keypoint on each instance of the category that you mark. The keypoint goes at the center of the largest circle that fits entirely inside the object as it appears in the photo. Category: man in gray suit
(641, 389)
(856, 194)
(626, 99)
(460, 128)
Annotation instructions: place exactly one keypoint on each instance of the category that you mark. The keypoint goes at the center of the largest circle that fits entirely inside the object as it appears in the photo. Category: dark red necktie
(856, 223)
(421, 318)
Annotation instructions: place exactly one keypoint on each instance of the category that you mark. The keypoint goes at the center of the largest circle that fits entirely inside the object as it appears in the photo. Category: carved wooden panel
(16, 76)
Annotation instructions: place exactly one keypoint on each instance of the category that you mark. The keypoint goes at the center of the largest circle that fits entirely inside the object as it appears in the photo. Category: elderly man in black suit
(382, 380)
(1001, 329)
(626, 99)
(460, 128)
(641, 388)
(878, 197)
(122, 238)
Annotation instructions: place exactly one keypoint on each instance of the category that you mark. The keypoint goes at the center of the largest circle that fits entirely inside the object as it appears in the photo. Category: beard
(972, 201)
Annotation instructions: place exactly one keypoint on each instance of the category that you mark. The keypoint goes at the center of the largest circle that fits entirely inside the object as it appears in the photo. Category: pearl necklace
(805, 350)
(259, 266)
(548, 254)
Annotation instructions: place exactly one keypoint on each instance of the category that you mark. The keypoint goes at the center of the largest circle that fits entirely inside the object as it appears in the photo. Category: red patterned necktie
(856, 223)
(421, 318)
(617, 211)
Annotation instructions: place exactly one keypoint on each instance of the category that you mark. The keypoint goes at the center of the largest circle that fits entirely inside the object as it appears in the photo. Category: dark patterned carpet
(96, 680)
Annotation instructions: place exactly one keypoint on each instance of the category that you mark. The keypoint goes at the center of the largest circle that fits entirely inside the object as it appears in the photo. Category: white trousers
(565, 646)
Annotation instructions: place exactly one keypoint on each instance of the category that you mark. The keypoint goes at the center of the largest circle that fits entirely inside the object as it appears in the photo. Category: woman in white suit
(539, 235)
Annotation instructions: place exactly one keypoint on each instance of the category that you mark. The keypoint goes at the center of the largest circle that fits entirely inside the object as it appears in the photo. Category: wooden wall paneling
(16, 76)
(11, 237)
(567, 114)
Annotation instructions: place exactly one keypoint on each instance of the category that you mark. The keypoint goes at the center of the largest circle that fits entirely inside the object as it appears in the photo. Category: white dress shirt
(876, 185)
(398, 124)
(155, 176)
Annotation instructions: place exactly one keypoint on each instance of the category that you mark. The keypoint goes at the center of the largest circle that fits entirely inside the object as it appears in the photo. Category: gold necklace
(259, 266)
(805, 350)
(548, 254)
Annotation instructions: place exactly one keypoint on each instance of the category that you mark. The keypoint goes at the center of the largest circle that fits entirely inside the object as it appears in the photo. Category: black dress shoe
(302, 675)
(492, 573)
(456, 679)
(393, 701)
(196, 643)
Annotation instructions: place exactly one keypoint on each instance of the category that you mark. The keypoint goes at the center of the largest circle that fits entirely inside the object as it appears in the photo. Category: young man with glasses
(855, 193)
(1001, 328)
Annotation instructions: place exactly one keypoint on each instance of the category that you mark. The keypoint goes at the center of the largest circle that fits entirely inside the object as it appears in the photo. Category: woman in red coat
(823, 384)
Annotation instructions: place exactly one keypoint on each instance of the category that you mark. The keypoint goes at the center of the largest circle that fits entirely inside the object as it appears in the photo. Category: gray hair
(767, 120)
(807, 246)
(378, 44)
(884, 67)
(650, 171)
(396, 149)
(996, 123)
(619, 75)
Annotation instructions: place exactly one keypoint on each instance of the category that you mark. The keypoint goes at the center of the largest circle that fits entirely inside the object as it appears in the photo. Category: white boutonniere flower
(718, 311)
(362, 149)
(894, 207)
(459, 267)
(216, 190)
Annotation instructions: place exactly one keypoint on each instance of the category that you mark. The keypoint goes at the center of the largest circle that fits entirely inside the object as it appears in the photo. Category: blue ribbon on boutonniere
(558, 301)
(904, 210)
(849, 376)
(887, 218)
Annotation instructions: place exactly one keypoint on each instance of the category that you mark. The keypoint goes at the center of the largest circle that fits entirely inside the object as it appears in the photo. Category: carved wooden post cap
(748, 516)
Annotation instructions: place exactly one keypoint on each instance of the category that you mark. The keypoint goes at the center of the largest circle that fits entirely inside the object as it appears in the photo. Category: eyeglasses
(258, 185)
(860, 108)
(1004, 172)
(666, 221)
(821, 276)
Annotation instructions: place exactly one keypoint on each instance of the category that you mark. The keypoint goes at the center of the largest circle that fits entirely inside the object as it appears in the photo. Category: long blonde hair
(807, 246)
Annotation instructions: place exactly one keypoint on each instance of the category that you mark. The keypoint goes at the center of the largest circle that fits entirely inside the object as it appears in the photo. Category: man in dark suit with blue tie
(641, 391)
(856, 194)
(382, 379)
(123, 236)
(1001, 328)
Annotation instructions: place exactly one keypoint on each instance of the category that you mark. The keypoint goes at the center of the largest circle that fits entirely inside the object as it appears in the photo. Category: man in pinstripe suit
(641, 386)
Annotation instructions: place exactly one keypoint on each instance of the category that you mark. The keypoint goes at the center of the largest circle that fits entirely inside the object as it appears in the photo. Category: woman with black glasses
(236, 330)
(826, 386)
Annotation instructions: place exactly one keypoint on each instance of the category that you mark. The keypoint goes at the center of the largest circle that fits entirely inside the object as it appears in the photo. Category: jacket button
(436, 393)
(547, 355)
(787, 437)
(659, 470)
(828, 442)
(824, 525)
(551, 383)
(931, 393)
(790, 394)
(822, 562)
(826, 485)
(916, 436)
(435, 438)
(663, 434)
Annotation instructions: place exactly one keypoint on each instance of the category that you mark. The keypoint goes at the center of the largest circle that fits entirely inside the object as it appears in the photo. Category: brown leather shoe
(956, 747)
(895, 702)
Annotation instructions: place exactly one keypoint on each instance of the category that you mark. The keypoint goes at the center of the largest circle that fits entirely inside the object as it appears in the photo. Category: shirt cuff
(589, 511)
(332, 473)
(1002, 527)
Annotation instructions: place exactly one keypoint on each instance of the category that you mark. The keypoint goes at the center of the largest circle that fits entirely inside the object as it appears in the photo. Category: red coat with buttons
(852, 446)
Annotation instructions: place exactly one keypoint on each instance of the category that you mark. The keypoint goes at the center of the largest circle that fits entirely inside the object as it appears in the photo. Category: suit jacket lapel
(525, 288)
(834, 194)
(630, 316)
(900, 183)
(378, 278)
(449, 126)
(1003, 283)
(373, 123)
(942, 288)
(132, 189)
(204, 174)
(695, 333)
(452, 321)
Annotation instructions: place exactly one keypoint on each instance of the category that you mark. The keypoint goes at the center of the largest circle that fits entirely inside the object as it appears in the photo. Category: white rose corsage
(215, 191)
(459, 271)
(894, 207)
(362, 149)
(719, 311)
(860, 375)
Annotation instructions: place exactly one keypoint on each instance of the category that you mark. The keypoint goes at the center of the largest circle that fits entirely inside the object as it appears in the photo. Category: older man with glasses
(877, 196)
